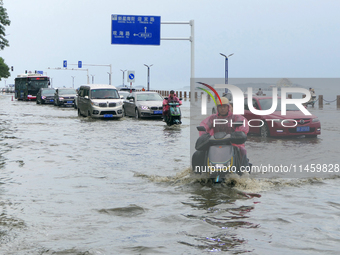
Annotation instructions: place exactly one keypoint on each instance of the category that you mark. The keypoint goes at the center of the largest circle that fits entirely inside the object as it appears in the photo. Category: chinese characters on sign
(130, 29)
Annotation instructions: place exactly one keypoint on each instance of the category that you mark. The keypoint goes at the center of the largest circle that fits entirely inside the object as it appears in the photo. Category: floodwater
(73, 185)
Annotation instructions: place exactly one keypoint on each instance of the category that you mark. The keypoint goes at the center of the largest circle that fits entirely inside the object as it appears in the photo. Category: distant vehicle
(294, 123)
(124, 94)
(143, 104)
(45, 96)
(28, 85)
(99, 101)
(64, 97)
(128, 89)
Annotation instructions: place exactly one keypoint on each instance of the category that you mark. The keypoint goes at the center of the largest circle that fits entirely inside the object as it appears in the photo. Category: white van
(99, 101)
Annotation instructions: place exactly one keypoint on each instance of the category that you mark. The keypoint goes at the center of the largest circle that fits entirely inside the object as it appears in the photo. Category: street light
(226, 66)
(123, 75)
(72, 81)
(148, 76)
(109, 77)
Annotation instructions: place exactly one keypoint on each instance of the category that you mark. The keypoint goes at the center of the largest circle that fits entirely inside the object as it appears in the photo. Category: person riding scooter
(223, 113)
(171, 99)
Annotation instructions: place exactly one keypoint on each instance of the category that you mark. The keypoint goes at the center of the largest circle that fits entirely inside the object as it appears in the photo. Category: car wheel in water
(265, 130)
(137, 116)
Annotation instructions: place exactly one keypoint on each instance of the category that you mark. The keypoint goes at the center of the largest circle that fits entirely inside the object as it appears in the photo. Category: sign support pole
(191, 39)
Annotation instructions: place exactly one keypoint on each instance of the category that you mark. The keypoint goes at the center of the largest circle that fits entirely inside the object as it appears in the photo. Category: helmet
(224, 100)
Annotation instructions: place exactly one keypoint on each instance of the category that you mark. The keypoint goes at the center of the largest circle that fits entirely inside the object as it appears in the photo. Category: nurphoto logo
(238, 99)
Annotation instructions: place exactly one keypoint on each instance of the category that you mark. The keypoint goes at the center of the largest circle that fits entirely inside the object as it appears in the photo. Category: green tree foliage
(4, 69)
(4, 21)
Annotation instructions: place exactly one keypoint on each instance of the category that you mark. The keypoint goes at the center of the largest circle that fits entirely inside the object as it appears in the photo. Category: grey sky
(268, 39)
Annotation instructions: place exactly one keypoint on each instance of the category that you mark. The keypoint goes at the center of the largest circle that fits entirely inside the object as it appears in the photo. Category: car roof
(127, 89)
(98, 86)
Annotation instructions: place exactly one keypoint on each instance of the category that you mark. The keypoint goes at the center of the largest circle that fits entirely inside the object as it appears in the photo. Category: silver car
(143, 104)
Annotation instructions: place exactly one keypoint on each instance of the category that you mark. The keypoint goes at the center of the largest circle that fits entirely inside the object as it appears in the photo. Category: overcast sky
(290, 38)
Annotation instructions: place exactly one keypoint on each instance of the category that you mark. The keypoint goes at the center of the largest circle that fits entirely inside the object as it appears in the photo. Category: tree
(4, 21)
(4, 69)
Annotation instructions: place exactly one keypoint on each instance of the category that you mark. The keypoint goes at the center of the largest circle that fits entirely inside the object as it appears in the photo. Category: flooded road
(73, 185)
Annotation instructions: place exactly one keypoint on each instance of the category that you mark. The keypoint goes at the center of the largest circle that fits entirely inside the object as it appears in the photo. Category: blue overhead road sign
(65, 63)
(80, 64)
(131, 29)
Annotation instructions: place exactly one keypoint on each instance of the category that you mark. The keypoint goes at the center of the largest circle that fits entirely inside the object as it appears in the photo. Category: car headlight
(144, 107)
(61, 98)
(94, 103)
(315, 120)
(120, 103)
(43, 97)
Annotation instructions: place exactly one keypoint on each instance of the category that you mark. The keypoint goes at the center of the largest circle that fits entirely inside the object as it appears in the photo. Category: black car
(45, 96)
(64, 97)
(128, 89)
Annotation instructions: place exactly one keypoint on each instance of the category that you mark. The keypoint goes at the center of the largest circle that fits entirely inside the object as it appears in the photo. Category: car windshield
(149, 97)
(66, 91)
(49, 92)
(104, 94)
(266, 104)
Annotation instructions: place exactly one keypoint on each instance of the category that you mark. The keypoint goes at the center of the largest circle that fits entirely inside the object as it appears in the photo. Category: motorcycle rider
(223, 112)
(171, 99)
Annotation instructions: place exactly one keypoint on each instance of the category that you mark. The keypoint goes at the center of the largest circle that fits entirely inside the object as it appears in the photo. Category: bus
(28, 85)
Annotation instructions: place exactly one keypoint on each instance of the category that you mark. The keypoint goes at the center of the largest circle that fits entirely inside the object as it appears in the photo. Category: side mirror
(131, 100)
(201, 128)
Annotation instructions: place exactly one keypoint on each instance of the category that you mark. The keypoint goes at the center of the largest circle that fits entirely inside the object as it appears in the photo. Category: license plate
(302, 129)
(52, 100)
(108, 115)
(157, 112)
(70, 102)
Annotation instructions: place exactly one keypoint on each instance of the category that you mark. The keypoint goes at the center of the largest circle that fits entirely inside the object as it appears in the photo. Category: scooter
(174, 114)
(311, 101)
(216, 157)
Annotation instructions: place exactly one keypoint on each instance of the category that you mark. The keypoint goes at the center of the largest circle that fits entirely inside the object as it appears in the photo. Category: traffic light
(12, 68)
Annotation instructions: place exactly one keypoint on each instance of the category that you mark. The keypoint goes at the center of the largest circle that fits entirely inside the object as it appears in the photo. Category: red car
(294, 123)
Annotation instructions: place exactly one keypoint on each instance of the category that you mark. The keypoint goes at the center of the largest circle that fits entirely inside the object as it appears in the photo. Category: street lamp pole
(148, 76)
(72, 81)
(123, 75)
(226, 66)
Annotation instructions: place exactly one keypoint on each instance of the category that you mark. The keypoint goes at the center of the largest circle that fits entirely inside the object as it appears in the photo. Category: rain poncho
(173, 99)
